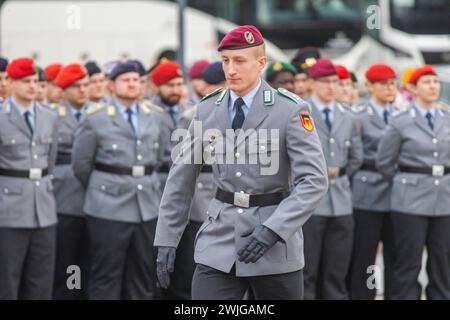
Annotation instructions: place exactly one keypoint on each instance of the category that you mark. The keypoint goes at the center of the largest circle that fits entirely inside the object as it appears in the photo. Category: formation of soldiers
(91, 179)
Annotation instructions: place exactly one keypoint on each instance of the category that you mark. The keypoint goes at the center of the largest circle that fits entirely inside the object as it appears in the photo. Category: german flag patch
(306, 120)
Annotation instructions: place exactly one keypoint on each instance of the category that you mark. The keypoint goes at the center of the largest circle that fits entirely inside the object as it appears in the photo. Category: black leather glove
(260, 239)
(164, 265)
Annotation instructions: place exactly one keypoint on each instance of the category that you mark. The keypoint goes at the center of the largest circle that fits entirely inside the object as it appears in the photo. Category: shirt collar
(22, 109)
(248, 98)
(122, 108)
(423, 111)
(175, 108)
(378, 108)
(322, 106)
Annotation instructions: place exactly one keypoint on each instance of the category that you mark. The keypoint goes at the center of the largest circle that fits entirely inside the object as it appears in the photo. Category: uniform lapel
(119, 120)
(18, 120)
(143, 120)
(421, 122)
(318, 120)
(337, 120)
(439, 121)
(375, 118)
(222, 115)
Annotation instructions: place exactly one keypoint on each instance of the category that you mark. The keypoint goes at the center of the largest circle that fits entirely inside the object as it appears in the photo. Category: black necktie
(172, 115)
(430, 120)
(78, 115)
(385, 116)
(239, 117)
(327, 111)
(130, 121)
(27, 116)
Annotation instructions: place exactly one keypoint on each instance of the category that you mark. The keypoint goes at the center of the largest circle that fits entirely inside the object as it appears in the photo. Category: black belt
(63, 158)
(34, 173)
(250, 200)
(206, 169)
(334, 172)
(368, 166)
(165, 168)
(135, 171)
(434, 170)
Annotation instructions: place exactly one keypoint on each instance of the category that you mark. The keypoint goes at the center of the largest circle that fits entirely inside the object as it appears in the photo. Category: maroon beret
(197, 68)
(421, 71)
(322, 68)
(241, 37)
(21, 68)
(380, 72)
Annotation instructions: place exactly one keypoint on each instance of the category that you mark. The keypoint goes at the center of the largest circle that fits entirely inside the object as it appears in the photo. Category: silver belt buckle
(438, 171)
(35, 173)
(138, 171)
(241, 200)
(333, 172)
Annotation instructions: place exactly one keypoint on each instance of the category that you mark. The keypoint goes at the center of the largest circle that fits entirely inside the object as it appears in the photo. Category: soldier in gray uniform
(329, 232)
(371, 191)
(414, 152)
(28, 211)
(252, 237)
(4, 83)
(72, 237)
(115, 154)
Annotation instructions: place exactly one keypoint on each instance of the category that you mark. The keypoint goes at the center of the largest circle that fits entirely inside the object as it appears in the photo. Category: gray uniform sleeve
(53, 148)
(178, 192)
(388, 151)
(84, 149)
(356, 153)
(309, 177)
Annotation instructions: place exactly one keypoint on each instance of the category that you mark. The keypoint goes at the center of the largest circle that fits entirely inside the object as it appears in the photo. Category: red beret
(197, 68)
(322, 68)
(20, 68)
(241, 37)
(70, 74)
(380, 72)
(52, 70)
(166, 71)
(421, 71)
(342, 72)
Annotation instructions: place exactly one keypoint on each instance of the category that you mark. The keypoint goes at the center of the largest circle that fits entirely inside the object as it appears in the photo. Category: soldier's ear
(262, 61)
(110, 86)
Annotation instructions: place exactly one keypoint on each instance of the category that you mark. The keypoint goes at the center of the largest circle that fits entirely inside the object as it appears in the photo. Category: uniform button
(138, 142)
(331, 154)
(33, 144)
(35, 156)
(13, 141)
(156, 145)
(240, 211)
(238, 174)
(38, 183)
(364, 179)
(434, 140)
(331, 140)
(403, 181)
(211, 148)
(263, 148)
(103, 188)
(333, 181)
(59, 139)
(114, 146)
(200, 185)
(139, 157)
(139, 187)
(6, 190)
(237, 154)
(435, 154)
(436, 182)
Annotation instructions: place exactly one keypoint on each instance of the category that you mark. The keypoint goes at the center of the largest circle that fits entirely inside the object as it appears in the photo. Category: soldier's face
(284, 80)
(127, 86)
(344, 91)
(243, 68)
(325, 88)
(383, 91)
(428, 88)
(199, 86)
(97, 86)
(54, 93)
(25, 88)
(300, 84)
(4, 85)
(143, 82)
(41, 91)
(77, 93)
(172, 91)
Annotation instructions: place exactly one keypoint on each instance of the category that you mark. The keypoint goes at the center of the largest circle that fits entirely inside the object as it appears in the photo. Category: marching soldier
(329, 232)
(97, 82)
(414, 152)
(371, 191)
(4, 83)
(53, 92)
(252, 237)
(72, 237)
(304, 59)
(281, 75)
(115, 154)
(27, 213)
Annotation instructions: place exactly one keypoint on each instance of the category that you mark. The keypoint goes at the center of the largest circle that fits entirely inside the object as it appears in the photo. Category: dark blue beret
(92, 68)
(213, 74)
(3, 64)
(140, 67)
(121, 68)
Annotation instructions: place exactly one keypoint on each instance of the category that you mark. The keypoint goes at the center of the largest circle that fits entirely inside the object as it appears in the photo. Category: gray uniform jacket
(301, 164)
(371, 191)
(25, 202)
(105, 137)
(343, 149)
(409, 141)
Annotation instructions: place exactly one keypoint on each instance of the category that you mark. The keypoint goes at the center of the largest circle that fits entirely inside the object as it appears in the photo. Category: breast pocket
(208, 230)
(214, 154)
(264, 156)
(43, 145)
(14, 146)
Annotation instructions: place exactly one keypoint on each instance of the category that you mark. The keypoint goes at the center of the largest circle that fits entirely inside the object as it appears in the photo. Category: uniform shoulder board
(443, 106)
(209, 95)
(397, 113)
(358, 109)
(95, 108)
(154, 107)
(62, 110)
(291, 96)
(189, 113)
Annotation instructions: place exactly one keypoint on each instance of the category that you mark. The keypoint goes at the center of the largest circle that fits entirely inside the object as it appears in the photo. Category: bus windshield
(421, 16)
